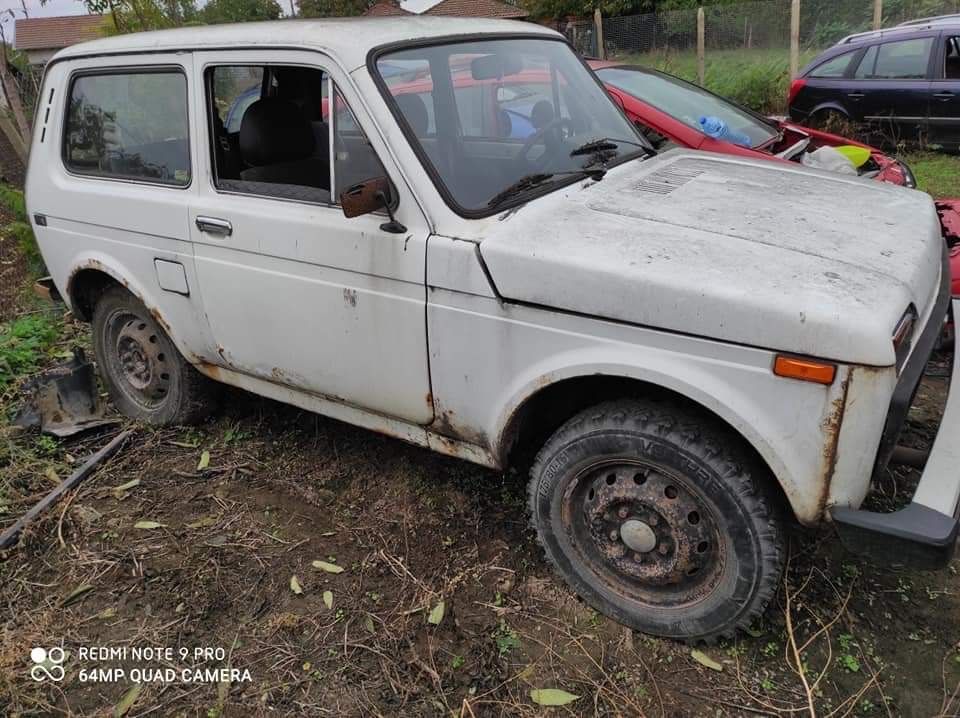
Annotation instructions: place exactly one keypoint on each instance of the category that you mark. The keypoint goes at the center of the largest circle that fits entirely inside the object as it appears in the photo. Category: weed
(457, 662)
(24, 344)
(849, 663)
(506, 639)
(47, 445)
(20, 228)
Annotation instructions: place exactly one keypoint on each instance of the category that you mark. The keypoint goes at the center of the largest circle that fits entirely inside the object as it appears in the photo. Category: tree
(218, 11)
(333, 8)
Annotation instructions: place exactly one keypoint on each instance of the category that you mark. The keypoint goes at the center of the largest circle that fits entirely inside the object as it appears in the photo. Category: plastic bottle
(716, 128)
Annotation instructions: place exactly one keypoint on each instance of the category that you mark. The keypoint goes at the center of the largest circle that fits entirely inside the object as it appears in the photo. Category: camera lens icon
(47, 663)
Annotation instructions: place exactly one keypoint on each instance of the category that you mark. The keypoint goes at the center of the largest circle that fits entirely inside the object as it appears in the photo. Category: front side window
(686, 102)
(273, 134)
(129, 125)
(903, 60)
(499, 119)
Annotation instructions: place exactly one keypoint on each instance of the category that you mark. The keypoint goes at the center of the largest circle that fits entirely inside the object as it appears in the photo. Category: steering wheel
(540, 136)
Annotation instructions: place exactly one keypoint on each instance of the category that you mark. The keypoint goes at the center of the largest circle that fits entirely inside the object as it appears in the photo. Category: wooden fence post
(794, 38)
(877, 14)
(701, 49)
(598, 33)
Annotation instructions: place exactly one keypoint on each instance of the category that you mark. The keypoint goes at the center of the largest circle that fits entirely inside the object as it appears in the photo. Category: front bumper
(923, 534)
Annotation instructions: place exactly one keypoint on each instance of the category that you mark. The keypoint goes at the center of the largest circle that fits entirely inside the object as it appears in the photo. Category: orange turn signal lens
(804, 369)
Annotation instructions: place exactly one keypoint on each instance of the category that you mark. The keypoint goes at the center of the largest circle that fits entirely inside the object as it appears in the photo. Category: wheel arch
(92, 276)
(551, 400)
(831, 105)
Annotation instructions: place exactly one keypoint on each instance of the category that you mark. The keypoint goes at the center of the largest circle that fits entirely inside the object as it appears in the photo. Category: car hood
(738, 250)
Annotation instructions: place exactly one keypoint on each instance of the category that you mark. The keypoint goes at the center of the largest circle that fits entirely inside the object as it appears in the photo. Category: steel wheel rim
(645, 532)
(139, 359)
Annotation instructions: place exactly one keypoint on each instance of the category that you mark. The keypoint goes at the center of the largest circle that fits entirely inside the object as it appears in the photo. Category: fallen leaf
(295, 585)
(218, 540)
(202, 523)
(436, 615)
(704, 660)
(148, 525)
(77, 593)
(120, 491)
(368, 624)
(51, 474)
(328, 600)
(551, 697)
(107, 613)
(328, 533)
(204, 461)
(328, 567)
(126, 703)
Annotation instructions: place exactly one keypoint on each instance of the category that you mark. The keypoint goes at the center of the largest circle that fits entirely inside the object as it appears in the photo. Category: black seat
(278, 143)
(415, 112)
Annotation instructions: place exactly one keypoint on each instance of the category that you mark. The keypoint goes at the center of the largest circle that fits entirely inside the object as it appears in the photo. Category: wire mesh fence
(746, 45)
(755, 25)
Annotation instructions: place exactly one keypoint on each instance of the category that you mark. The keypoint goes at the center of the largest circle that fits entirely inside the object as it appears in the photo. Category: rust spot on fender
(831, 426)
(210, 370)
(446, 423)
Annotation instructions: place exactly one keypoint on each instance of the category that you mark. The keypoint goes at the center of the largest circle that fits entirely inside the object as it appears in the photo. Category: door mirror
(365, 197)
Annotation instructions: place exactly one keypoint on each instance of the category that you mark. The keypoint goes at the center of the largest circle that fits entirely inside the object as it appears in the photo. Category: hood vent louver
(666, 180)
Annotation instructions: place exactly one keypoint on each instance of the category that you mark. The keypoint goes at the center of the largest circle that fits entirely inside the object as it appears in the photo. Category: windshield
(686, 102)
(497, 120)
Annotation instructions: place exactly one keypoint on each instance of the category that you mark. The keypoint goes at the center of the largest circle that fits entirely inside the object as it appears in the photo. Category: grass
(24, 344)
(759, 79)
(937, 174)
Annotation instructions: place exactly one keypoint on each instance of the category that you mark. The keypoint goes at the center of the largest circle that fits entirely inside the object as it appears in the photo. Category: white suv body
(478, 333)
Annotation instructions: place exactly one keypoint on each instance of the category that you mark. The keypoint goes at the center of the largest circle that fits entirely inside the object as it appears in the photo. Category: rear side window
(904, 60)
(869, 61)
(834, 67)
(129, 125)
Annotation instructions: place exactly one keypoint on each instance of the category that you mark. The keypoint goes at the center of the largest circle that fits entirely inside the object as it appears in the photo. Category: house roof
(43, 33)
(385, 7)
(348, 39)
(477, 8)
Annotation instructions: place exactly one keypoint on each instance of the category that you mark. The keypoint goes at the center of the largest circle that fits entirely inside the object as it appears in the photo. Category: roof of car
(348, 39)
(904, 30)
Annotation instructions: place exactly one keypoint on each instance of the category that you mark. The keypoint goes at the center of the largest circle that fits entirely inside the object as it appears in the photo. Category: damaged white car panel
(354, 217)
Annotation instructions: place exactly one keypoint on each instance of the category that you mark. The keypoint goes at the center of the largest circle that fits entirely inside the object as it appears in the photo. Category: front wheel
(659, 518)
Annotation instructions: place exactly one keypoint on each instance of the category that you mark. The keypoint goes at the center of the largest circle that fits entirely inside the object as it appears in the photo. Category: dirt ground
(227, 563)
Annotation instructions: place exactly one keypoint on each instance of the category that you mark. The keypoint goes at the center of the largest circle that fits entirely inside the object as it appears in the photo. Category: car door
(945, 93)
(296, 293)
(890, 87)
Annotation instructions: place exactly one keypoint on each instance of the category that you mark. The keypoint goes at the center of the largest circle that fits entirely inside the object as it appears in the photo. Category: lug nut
(623, 512)
(614, 535)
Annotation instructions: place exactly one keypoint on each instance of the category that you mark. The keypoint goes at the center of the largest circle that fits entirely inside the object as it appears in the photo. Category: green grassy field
(758, 78)
(938, 174)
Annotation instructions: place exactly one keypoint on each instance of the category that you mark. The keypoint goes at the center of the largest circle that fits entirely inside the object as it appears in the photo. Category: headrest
(542, 114)
(274, 130)
(415, 112)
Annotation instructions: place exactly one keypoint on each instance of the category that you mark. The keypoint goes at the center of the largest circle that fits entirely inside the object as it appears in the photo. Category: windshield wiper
(528, 182)
(608, 144)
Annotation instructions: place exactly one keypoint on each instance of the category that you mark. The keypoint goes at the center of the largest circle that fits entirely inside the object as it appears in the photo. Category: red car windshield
(686, 102)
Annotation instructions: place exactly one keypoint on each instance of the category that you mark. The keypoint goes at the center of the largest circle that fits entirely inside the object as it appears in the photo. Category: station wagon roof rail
(889, 32)
(933, 20)
(349, 39)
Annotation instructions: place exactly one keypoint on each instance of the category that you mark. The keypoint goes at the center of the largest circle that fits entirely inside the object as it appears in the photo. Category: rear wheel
(659, 518)
(832, 121)
(146, 376)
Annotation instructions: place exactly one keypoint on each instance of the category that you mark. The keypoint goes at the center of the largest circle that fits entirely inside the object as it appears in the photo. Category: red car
(668, 110)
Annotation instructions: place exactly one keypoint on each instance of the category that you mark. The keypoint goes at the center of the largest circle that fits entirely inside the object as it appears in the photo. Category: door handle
(855, 95)
(944, 96)
(213, 225)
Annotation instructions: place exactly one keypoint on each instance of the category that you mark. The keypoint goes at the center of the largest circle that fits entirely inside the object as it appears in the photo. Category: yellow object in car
(858, 156)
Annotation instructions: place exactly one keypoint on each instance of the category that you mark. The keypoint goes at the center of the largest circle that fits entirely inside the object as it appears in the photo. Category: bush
(20, 229)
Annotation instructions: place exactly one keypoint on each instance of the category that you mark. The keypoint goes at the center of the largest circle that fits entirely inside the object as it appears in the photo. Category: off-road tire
(709, 463)
(184, 396)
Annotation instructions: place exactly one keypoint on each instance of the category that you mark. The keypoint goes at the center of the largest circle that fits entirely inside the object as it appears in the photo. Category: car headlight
(908, 179)
(903, 336)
